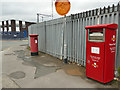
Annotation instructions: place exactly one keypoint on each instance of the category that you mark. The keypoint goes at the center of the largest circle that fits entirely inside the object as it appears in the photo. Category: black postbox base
(34, 53)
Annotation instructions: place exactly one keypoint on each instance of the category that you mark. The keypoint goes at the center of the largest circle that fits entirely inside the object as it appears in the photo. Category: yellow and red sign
(62, 6)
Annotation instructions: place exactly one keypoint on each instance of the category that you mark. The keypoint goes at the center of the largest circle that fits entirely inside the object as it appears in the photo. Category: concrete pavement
(20, 70)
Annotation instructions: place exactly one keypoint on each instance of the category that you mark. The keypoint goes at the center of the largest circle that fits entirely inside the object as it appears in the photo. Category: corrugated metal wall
(71, 31)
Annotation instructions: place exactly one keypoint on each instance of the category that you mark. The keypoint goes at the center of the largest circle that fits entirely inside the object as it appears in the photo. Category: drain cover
(17, 75)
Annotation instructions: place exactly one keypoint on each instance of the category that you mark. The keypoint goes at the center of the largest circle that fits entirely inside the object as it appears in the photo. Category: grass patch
(119, 71)
(28, 48)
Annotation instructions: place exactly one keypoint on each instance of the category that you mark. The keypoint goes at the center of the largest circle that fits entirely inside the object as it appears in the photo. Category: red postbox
(34, 44)
(100, 52)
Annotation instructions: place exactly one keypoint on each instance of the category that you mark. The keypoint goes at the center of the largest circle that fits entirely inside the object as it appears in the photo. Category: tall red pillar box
(100, 52)
(34, 44)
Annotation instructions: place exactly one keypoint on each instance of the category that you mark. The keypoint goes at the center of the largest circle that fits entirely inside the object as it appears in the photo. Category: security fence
(66, 37)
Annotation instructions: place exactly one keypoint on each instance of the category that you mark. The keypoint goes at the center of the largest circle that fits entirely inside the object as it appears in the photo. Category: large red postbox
(100, 52)
(34, 44)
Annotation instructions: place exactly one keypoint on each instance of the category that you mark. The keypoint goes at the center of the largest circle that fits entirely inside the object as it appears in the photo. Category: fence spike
(113, 8)
(89, 12)
(72, 16)
(92, 13)
(79, 15)
(83, 14)
(100, 10)
(86, 14)
(96, 12)
(104, 10)
(108, 9)
(118, 6)
(75, 16)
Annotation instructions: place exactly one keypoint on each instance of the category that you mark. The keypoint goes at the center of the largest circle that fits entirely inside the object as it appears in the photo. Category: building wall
(14, 26)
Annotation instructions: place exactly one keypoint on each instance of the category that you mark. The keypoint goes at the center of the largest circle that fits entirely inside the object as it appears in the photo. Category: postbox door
(36, 43)
(95, 60)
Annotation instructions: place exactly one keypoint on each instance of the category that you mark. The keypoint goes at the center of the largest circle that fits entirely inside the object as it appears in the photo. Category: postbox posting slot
(96, 35)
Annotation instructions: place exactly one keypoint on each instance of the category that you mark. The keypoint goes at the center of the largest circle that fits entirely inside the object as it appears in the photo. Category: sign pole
(65, 40)
(62, 8)
(52, 8)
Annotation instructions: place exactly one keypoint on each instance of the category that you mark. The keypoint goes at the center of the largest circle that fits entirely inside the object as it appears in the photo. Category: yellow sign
(62, 6)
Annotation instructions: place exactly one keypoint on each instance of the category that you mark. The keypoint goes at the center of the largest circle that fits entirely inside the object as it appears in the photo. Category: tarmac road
(11, 43)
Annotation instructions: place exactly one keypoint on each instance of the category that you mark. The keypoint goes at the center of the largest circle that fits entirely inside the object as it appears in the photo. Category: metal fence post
(118, 39)
(98, 16)
(45, 37)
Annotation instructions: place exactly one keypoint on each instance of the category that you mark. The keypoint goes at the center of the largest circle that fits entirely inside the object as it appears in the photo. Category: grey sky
(26, 9)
